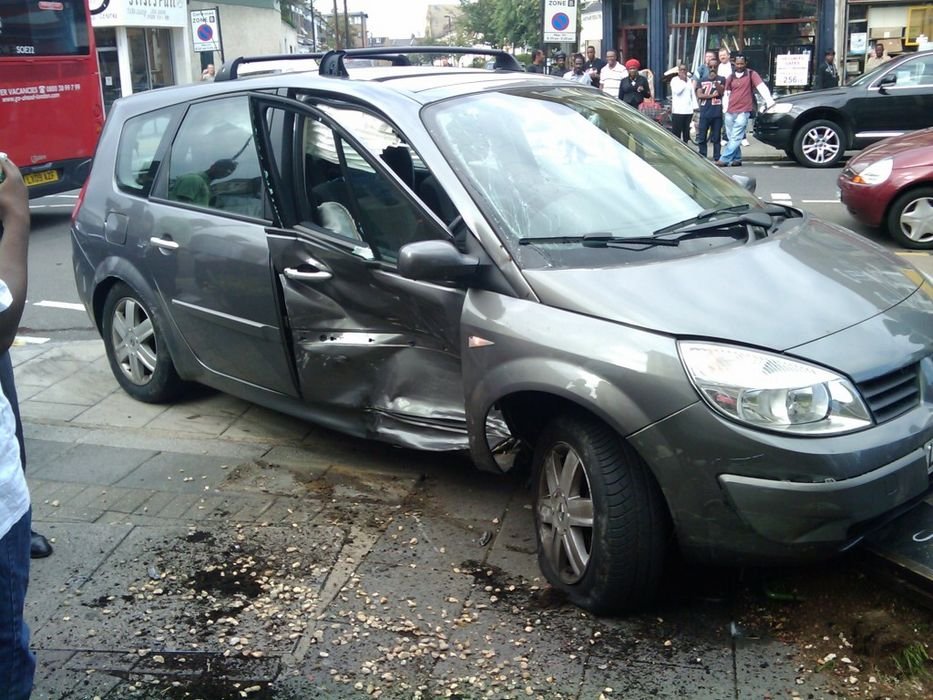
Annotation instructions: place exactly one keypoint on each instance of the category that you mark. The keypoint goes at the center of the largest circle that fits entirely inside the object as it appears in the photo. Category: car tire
(136, 349)
(910, 219)
(601, 523)
(819, 144)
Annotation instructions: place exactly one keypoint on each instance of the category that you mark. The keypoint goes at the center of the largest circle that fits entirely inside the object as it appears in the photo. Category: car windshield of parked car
(564, 162)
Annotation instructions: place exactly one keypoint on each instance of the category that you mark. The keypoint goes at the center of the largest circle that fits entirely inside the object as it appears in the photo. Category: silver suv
(518, 266)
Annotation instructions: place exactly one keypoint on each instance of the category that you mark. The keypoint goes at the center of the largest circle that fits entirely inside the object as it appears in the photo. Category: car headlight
(773, 392)
(780, 108)
(876, 173)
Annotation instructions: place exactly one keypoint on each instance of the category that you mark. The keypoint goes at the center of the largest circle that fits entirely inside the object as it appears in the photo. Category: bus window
(43, 28)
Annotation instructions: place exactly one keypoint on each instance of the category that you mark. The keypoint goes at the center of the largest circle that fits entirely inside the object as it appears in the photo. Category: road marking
(21, 340)
(60, 305)
(820, 201)
(780, 195)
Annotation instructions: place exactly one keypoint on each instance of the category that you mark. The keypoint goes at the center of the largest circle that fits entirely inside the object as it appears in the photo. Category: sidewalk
(213, 549)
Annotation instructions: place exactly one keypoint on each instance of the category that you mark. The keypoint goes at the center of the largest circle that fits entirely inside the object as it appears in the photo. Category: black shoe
(39, 547)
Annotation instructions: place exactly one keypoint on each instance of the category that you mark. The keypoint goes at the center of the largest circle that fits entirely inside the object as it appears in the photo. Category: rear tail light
(74, 212)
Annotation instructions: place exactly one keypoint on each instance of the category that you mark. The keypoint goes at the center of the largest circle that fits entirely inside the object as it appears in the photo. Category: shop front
(661, 33)
(141, 44)
(900, 27)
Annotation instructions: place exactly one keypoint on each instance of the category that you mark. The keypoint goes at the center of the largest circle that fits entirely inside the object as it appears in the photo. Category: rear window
(139, 146)
(43, 28)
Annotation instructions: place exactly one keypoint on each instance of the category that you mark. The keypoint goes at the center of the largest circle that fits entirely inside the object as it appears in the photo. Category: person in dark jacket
(634, 89)
(826, 74)
(537, 62)
(593, 65)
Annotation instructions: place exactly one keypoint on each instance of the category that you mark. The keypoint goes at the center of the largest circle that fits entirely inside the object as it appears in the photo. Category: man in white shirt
(17, 663)
(578, 74)
(611, 75)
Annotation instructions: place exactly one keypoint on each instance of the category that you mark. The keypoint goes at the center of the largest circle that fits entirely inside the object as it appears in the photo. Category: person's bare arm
(14, 246)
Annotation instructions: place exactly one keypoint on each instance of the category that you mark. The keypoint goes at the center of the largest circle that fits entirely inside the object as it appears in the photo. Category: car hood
(912, 149)
(807, 281)
(805, 99)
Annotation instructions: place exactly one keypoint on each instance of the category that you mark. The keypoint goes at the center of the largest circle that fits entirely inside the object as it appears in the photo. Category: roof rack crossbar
(332, 62)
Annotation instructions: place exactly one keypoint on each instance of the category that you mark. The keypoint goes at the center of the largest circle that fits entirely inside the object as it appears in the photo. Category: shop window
(919, 21)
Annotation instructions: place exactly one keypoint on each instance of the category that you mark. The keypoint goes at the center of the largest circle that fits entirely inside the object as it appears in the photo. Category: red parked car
(890, 185)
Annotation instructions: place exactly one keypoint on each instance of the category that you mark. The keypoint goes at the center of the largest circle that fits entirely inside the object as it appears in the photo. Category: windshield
(561, 162)
(868, 77)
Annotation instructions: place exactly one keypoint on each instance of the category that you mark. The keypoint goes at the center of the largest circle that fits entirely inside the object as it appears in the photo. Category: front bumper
(867, 203)
(783, 511)
(740, 496)
(775, 130)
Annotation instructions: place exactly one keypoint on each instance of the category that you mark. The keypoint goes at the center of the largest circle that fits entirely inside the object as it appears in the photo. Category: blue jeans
(736, 124)
(709, 130)
(17, 663)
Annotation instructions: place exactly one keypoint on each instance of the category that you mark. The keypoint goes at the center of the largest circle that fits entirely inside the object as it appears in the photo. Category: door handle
(316, 276)
(164, 243)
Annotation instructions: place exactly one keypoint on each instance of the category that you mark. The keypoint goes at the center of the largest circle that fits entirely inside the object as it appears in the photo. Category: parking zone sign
(205, 30)
(560, 21)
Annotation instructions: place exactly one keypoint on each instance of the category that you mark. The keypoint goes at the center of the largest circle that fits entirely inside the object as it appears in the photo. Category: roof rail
(332, 62)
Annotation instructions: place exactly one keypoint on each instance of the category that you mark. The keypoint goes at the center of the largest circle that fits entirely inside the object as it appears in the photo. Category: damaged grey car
(510, 264)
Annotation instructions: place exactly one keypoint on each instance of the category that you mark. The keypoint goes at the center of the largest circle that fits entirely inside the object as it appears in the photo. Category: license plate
(40, 178)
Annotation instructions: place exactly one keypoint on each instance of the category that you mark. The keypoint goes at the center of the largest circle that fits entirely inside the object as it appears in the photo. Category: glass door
(150, 58)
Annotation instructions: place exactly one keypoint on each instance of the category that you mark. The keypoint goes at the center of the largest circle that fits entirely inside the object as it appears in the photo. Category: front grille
(892, 394)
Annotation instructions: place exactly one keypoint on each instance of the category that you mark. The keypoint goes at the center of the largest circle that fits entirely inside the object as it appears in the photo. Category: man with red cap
(634, 89)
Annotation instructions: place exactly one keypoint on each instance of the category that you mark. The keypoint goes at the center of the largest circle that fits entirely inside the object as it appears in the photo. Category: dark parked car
(890, 185)
(817, 128)
(501, 262)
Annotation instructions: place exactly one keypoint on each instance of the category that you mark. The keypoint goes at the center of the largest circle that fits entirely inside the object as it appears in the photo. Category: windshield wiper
(597, 240)
(707, 213)
(707, 223)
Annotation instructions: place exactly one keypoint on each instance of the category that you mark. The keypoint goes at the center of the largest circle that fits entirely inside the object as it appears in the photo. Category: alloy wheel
(565, 512)
(134, 341)
(821, 144)
(916, 220)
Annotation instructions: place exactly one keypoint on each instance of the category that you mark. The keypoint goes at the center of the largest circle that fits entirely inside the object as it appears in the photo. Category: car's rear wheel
(601, 524)
(136, 348)
(819, 144)
(910, 221)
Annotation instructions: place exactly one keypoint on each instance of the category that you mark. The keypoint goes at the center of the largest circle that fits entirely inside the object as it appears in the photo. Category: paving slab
(173, 471)
(89, 464)
(119, 410)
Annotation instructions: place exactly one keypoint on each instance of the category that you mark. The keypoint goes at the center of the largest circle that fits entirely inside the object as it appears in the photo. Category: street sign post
(560, 21)
(205, 30)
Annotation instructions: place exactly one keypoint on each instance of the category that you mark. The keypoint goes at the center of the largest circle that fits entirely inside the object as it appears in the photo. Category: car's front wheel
(910, 221)
(136, 348)
(601, 523)
(819, 144)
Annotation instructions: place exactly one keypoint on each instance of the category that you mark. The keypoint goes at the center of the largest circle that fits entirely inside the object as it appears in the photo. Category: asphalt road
(53, 310)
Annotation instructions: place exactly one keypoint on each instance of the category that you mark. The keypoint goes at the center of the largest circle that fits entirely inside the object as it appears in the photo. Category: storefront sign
(858, 42)
(142, 13)
(560, 21)
(205, 29)
(791, 70)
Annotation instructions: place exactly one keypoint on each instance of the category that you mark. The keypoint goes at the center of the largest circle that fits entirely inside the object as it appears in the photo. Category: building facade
(146, 44)
(660, 33)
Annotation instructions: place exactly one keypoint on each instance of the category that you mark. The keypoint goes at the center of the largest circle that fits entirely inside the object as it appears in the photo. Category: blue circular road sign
(560, 21)
(205, 33)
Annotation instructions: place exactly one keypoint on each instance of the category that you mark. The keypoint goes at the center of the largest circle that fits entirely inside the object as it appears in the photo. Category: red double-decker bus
(51, 109)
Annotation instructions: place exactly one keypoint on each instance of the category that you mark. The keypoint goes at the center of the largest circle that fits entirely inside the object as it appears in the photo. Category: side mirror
(435, 261)
(886, 81)
(747, 181)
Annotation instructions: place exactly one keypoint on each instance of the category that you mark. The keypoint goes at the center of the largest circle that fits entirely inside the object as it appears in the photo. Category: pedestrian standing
(709, 95)
(593, 65)
(17, 662)
(634, 88)
(611, 74)
(741, 87)
(537, 62)
(725, 64)
(826, 75)
(703, 71)
(878, 58)
(578, 74)
(559, 66)
(208, 74)
(683, 103)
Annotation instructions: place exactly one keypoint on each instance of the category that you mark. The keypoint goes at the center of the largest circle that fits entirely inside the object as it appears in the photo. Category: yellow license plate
(40, 178)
